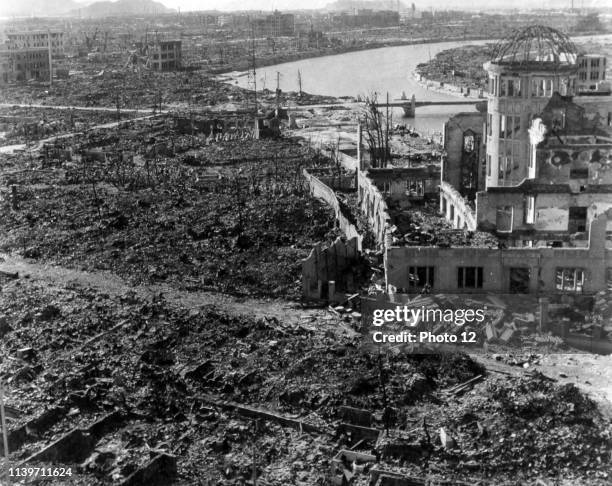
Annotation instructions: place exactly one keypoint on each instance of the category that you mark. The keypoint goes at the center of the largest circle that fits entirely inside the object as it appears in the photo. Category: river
(382, 70)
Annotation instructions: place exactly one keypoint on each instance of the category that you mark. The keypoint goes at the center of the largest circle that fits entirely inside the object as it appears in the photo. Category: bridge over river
(410, 106)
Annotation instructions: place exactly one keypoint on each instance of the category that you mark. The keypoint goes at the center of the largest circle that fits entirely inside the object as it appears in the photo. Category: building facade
(165, 55)
(30, 64)
(547, 146)
(6, 68)
(591, 73)
(569, 180)
(513, 270)
(521, 81)
(36, 39)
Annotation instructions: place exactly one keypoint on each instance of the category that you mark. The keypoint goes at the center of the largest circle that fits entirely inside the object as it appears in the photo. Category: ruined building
(6, 67)
(538, 175)
(36, 39)
(569, 180)
(28, 55)
(162, 55)
(276, 25)
(592, 75)
(28, 64)
(534, 170)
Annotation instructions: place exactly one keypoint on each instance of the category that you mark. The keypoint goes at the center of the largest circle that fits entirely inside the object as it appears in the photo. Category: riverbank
(458, 70)
(242, 66)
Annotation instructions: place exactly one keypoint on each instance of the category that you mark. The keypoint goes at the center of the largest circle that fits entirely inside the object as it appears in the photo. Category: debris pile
(243, 231)
(123, 387)
(423, 226)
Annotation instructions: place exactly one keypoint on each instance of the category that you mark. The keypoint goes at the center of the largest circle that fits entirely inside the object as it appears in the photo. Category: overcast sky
(185, 5)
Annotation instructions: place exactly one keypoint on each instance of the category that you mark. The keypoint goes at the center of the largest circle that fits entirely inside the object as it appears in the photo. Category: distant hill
(349, 5)
(49, 8)
(121, 7)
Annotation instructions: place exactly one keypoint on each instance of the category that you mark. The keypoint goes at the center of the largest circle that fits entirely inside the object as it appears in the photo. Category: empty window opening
(577, 219)
(469, 277)
(418, 277)
(468, 143)
(519, 280)
(569, 279)
(415, 188)
(505, 217)
(579, 173)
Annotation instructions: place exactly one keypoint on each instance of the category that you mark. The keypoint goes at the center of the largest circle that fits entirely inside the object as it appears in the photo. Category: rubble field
(28, 124)
(99, 87)
(122, 389)
(232, 217)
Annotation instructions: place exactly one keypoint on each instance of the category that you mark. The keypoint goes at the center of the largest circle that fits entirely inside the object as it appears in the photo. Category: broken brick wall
(374, 207)
(371, 202)
(322, 191)
(331, 264)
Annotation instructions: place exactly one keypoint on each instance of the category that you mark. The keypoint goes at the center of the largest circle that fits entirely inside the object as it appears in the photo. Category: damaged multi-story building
(35, 39)
(162, 55)
(531, 170)
(29, 55)
(534, 170)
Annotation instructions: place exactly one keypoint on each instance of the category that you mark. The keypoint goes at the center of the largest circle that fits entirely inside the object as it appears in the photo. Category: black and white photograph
(305, 243)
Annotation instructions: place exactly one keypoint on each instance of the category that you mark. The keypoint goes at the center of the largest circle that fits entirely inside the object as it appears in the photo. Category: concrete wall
(374, 207)
(496, 264)
(454, 130)
(455, 208)
(330, 264)
(321, 191)
(551, 210)
(555, 164)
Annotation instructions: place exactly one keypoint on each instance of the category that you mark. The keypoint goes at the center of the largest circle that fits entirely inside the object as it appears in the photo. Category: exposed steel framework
(535, 44)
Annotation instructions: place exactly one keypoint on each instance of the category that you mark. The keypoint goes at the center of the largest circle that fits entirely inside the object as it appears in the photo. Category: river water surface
(382, 70)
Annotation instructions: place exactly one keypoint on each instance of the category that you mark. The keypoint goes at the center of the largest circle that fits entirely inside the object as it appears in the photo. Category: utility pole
(254, 451)
(278, 91)
(50, 58)
(300, 81)
(3, 422)
(386, 148)
(252, 81)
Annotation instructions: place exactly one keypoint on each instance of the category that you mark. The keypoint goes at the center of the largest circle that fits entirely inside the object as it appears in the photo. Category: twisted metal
(535, 44)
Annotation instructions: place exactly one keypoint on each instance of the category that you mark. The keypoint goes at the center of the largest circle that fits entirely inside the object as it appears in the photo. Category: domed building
(523, 75)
